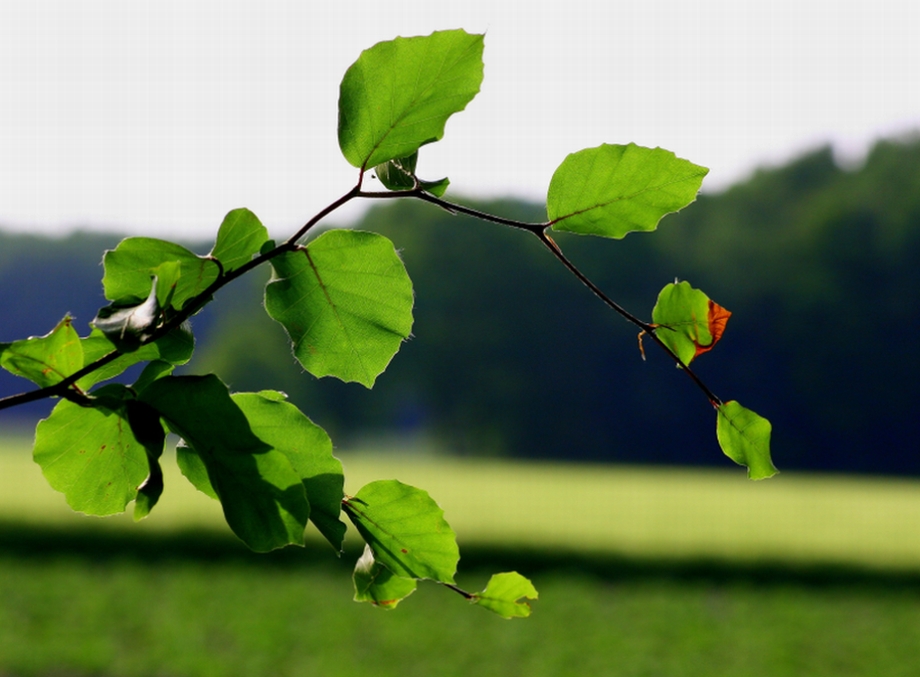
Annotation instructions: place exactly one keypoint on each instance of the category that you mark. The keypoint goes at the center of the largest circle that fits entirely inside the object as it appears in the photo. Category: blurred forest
(512, 356)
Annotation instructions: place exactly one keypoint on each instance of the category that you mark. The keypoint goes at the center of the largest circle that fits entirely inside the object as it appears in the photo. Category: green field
(640, 572)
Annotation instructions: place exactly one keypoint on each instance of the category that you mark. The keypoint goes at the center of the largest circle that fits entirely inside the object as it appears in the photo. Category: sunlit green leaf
(91, 454)
(378, 585)
(745, 438)
(614, 190)
(399, 94)
(309, 450)
(240, 237)
(131, 266)
(690, 323)
(503, 594)
(346, 303)
(262, 496)
(405, 529)
(45, 360)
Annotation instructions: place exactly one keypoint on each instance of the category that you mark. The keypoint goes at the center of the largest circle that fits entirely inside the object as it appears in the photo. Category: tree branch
(192, 306)
(539, 230)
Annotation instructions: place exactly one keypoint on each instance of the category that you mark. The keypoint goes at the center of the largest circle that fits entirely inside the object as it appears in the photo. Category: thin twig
(539, 230)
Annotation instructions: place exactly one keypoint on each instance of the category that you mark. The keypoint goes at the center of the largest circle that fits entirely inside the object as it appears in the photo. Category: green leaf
(503, 593)
(45, 360)
(690, 323)
(406, 530)
(175, 348)
(378, 585)
(614, 190)
(91, 454)
(193, 467)
(309, 451)
(436, 188)
(148, 429)
(745, 438)
(135, 261)
(262, 496)
(240, 237)
(346, 303)
(127, 326)
(399, 94)
(153, 371)
(399, 174)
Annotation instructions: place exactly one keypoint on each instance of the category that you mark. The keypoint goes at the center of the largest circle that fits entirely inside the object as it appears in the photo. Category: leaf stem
(460, 591)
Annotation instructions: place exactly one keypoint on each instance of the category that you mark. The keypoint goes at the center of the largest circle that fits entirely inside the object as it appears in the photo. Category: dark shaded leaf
(128, 326)
(309, 451)
(262, 496)
(148, 430)
(399, 174)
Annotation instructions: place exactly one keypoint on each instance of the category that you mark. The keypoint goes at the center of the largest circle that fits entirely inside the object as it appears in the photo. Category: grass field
(640, 572)
(659, 513)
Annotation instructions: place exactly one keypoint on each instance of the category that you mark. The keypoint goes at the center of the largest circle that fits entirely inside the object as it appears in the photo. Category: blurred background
(512, 357)
(521, 403)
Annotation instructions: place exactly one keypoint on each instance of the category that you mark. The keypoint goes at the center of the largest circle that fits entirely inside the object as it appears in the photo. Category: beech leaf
(262, 496)
(148, 429)
(308, 450)
(405, 529)
(378, 585)
(503, 594)
(689, 322)
(240, 237)
(92, 455)
(127, 326)
(745, 438)
(346, 303)
(399, 174)
(399, 94)
(175, 348)
(614, 190)
(45, 360)
(136, 260)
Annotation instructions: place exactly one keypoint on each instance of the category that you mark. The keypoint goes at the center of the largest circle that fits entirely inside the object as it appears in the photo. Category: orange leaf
(718, 318)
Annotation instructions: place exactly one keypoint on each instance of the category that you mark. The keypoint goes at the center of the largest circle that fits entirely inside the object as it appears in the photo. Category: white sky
(159, 117)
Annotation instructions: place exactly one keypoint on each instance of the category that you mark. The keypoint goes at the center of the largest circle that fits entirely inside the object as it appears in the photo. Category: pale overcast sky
(159, 117)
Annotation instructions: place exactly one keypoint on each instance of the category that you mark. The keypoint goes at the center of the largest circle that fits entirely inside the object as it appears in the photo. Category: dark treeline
(511, 355)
